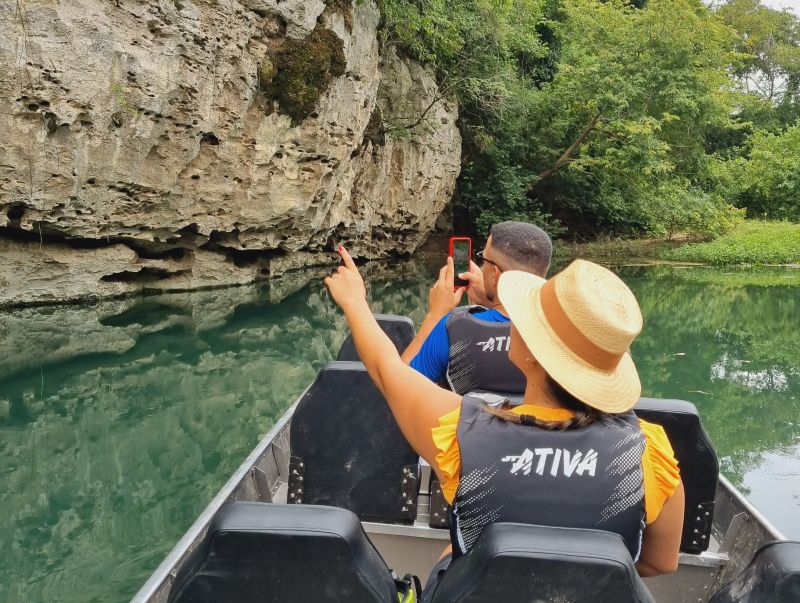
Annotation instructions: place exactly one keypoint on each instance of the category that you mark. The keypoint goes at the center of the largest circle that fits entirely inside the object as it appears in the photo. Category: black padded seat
(400, 330)
(772, 576)
(347, 450)
(697, 461)
(519, 563)
(266, 553)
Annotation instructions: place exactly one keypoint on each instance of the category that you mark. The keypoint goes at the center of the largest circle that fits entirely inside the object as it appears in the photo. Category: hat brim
(611, 391)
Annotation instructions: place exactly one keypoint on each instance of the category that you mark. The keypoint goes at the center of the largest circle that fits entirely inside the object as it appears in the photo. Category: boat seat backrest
(772, 576)
(514, 562)
(400, 330)
(269, 553)
(697, 461)
(347, 450)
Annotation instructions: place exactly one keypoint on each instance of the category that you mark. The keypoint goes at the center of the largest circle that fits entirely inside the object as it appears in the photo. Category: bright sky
(792, 4)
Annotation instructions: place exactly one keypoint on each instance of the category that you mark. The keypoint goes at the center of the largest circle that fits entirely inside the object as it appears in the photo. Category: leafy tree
(769, 181)
(477, 46)
(755, 161)
(617, 137)
(595, 117)
(769, 68)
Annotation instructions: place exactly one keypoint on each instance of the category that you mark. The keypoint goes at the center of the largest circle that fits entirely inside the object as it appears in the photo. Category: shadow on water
(120, 420)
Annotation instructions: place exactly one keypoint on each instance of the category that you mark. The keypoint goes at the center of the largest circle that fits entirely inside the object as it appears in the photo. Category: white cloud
(779, 4)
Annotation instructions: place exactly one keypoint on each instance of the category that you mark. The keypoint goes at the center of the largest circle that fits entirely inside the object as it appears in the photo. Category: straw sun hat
(579, 326)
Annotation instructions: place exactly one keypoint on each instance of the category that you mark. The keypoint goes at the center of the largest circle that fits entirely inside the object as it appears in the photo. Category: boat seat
(772, 576)
(347, 450)
(400, 330)
(269, 553)
(516, 563)
(697, 461)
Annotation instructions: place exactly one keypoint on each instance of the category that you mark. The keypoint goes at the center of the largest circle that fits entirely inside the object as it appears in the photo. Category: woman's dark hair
(584, 414)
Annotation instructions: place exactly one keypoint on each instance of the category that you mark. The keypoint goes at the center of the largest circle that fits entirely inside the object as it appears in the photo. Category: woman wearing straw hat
(572, 454)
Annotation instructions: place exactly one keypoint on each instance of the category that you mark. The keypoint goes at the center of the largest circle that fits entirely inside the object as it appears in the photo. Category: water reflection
(727, 341)
(120, 420)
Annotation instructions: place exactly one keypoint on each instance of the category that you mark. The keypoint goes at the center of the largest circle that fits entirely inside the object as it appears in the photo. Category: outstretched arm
(415, 402)
(441, 300)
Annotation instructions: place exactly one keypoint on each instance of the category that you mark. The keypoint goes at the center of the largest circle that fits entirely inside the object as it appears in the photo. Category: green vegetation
(592, 118)
(299, 72)
(768, 182)
(753, 242)
(607, 249)
(729, 277)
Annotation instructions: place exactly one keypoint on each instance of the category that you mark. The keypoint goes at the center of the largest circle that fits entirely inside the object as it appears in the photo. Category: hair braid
(584, 414)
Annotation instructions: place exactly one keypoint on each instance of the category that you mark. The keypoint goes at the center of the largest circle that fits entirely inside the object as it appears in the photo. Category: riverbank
(613, 251)
(753, 242)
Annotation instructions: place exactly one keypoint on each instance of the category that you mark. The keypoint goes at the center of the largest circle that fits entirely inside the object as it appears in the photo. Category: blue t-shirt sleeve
(431, 360)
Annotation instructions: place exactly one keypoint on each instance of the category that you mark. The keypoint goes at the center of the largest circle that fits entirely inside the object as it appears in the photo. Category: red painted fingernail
(341, 248)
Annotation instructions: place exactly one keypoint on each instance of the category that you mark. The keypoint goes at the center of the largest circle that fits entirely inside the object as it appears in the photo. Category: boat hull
(738, 530)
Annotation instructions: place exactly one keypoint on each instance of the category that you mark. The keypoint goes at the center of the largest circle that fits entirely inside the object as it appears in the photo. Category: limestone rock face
(143, 147)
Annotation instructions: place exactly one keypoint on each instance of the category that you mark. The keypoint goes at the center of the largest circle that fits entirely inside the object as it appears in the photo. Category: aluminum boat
(334, 488)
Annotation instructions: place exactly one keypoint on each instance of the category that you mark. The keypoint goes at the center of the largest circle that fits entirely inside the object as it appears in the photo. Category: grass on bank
(608, 249)
(752, 242)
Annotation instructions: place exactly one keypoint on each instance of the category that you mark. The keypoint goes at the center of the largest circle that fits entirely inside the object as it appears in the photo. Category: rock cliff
(180, 144)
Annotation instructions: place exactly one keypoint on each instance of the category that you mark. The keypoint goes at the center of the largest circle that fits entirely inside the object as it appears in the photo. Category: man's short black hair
(524, 246)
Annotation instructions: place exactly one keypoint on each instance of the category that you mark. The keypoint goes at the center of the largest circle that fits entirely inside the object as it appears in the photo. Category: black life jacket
(478, 356)
(587, 477)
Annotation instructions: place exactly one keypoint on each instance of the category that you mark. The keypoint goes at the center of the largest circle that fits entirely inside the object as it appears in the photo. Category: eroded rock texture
(153, 145)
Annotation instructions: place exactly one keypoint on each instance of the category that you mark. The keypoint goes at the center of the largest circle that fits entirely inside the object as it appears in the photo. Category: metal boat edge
(260, 477)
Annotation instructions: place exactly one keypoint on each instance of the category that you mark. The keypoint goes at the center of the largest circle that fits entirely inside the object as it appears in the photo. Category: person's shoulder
(479, 312)
(656, 436)
(489, 315)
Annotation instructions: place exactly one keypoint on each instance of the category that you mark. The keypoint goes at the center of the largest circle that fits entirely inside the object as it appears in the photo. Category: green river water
(119, 420)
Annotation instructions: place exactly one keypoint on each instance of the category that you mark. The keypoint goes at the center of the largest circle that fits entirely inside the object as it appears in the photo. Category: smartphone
(461, 252)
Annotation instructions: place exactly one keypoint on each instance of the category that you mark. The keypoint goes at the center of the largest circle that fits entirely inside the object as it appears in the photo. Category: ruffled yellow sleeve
(661, 473)
(448, 456)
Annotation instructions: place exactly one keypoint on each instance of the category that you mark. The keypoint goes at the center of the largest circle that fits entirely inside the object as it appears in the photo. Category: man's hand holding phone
(475, 290)
(461, 253)
(444, 296)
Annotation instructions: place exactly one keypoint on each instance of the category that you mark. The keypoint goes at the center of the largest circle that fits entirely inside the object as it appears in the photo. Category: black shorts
(436, 575)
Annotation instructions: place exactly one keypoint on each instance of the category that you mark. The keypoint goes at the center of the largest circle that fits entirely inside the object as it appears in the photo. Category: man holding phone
(466, 348)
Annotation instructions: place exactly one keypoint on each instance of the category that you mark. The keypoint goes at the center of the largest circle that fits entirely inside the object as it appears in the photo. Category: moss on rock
(300, 71)
(375, 132)
(344, 8)
(266, 72)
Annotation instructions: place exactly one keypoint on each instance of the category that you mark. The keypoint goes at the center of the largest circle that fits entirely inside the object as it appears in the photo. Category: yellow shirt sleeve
(448, 456)
(660, 468)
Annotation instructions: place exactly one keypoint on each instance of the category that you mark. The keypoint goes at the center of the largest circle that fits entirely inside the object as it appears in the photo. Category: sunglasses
(479, 255)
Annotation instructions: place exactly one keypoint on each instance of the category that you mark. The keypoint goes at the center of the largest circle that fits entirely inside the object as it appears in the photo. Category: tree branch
(566, 156)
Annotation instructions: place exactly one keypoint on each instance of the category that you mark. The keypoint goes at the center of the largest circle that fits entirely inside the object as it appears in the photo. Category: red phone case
(460, 282)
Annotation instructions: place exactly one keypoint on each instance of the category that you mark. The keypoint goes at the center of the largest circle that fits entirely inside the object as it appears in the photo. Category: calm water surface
(120, 420)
